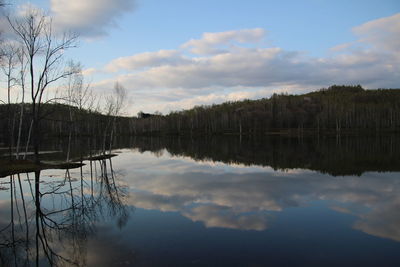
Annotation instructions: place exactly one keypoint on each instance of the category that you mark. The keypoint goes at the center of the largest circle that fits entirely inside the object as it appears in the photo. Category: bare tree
(9, 64)
(22, 74)
(44, 50)
(114, 105)
(79, 94)
(80, 100)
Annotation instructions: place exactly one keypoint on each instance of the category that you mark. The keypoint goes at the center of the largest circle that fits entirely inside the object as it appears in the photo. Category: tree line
(335, 109)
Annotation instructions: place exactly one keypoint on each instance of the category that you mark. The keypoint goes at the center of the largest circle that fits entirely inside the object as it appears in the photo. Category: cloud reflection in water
(239, 197)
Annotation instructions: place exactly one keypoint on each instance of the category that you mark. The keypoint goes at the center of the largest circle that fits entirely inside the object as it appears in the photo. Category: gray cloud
(89, 18)
(268, 67)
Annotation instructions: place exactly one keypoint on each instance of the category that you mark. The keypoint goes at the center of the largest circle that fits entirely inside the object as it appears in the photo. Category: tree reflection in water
(51, 217)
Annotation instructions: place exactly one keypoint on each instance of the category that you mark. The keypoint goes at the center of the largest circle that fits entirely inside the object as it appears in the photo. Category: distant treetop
(344, 88)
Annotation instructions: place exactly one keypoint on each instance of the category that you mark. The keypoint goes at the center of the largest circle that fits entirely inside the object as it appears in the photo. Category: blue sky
(312, 26)
(253, 48)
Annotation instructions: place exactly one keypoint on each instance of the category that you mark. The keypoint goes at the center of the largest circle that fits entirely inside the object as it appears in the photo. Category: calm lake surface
(224, 201)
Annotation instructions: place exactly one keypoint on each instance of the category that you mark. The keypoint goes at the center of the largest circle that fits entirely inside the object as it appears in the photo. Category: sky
(173, 55)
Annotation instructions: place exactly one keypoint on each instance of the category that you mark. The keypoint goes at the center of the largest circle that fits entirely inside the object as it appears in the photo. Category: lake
(217, 201)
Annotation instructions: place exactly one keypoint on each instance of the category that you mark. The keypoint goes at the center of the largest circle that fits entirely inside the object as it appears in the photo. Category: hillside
(335, 109)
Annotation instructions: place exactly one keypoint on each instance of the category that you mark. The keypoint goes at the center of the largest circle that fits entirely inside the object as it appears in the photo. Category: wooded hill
(337, 109)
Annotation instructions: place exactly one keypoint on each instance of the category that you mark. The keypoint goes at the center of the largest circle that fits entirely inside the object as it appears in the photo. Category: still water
(211, 202)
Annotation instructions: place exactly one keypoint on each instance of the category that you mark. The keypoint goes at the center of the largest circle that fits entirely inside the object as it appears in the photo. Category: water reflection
(49, 217)
(211, 202)
(242, 201)
(344, 155)
(248, 198)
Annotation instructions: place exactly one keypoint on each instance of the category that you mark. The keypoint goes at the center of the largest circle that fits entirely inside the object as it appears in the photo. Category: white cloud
(383, 33)
(27, 8)
(89, 71)
(146, 60)
(89, 18)
(382, 221)
(219, 216)
(210, 42)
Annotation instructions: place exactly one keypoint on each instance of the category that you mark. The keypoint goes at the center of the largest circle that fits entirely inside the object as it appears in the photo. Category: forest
(337, 109)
